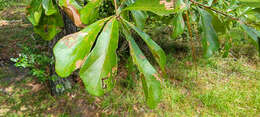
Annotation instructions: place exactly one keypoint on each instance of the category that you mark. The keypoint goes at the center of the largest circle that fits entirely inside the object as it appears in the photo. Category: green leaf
(156, 50)
(49, 26)
(254, 35)
(209, 35)
(71, 51)
(178, 26)
(218, 25)
(101, 64)
(90, 12)
(251, 3)
(151, 85)
(49, 8)
(159, 7)
(139, 17)
(34, 12)
(254, 16)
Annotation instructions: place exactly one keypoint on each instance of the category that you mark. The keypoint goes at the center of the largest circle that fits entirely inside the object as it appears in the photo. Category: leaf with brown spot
(71, 51)
(168, 4)
(72, 9)
(79, 63)
(101, 61)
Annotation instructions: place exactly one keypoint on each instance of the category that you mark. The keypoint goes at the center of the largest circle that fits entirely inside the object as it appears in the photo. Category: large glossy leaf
(160, 7)
(101, 64)
(49, 7)
(72, 9)
(156, 50)
(209, 35)
(90, 12)
(34, 11)
(49, 26)
(71, 51)
(151, 85)
(254, 34)
(178, 26)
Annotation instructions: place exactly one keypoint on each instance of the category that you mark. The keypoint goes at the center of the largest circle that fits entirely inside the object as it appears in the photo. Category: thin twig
(215, 10)
(115, 2)
(192, 43)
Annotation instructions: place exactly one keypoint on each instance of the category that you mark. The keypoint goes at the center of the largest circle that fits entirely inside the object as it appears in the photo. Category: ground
(210, 87)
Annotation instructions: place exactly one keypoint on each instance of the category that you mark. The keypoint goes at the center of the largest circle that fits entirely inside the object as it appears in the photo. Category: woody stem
(115, 2)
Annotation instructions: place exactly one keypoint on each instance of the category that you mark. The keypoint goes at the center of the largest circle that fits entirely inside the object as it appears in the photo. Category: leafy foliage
(93, 49)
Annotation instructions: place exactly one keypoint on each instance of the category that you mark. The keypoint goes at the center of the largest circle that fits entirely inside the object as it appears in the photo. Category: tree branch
(220, 12)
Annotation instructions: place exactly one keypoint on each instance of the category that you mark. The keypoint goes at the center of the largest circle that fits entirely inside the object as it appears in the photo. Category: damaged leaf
(102, 61)
(72, 9)
(71, 51)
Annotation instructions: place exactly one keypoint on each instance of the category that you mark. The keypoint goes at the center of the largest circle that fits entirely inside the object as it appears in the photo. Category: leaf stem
(115, 2)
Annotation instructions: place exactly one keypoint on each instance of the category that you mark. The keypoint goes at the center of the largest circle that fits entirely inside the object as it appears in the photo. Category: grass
(223, 87)
(216, 87)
